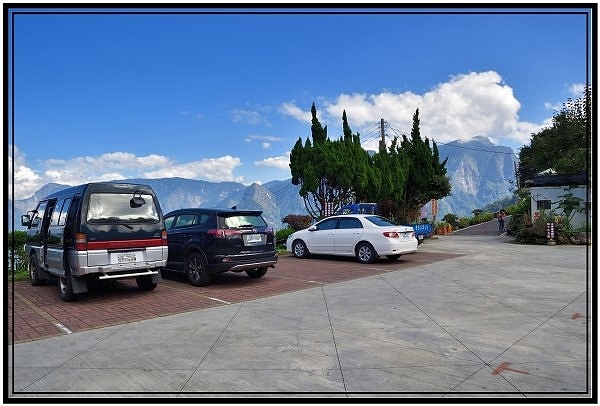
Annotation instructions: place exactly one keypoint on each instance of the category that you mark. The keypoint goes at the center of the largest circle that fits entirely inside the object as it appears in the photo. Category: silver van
(96, 231)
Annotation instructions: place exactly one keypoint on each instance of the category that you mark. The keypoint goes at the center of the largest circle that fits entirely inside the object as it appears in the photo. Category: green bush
(464, 222)
(452, 219)
(297, 221)
(281, 237)
(17, 260)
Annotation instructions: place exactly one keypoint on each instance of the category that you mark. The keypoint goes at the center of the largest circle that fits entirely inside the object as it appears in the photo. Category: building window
(544, 204)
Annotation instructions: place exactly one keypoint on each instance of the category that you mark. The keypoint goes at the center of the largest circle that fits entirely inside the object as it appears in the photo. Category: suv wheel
(195, 269)
(256, 273)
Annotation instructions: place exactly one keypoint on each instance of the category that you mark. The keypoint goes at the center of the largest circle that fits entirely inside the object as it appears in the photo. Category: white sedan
(365, 236)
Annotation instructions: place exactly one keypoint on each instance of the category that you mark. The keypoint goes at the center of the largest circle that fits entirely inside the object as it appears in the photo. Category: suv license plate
(253, 238)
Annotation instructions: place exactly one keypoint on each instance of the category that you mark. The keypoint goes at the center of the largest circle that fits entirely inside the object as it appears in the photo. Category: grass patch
(21, 275)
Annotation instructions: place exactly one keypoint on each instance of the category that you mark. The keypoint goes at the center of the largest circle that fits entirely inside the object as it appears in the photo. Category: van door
(34, 234)
(56, 246)
(44, 233)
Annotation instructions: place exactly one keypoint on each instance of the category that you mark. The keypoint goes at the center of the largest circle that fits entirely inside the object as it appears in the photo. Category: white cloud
(577, 89)
(26, 181)
(279, 162)
(290, 109)
(117, 165)
(467, 105)
(211, 169)
(247, 116)
(268, 138)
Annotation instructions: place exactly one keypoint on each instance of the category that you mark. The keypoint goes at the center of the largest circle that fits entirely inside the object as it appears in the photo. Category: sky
(209, 94)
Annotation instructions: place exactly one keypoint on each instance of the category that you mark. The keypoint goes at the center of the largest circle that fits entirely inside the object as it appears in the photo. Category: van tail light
(163, 237)
(391, 234)
(81, 242)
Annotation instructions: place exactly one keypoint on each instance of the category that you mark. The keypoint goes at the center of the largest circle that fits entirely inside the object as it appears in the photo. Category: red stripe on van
(111, 245)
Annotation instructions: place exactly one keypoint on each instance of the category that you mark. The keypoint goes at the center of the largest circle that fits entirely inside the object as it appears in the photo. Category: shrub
(464, 222)
(281, 237)
(16, 252)
(297, 221)
(452, 219)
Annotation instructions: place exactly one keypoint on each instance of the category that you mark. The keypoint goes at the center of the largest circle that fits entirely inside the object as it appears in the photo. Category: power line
(454, 145)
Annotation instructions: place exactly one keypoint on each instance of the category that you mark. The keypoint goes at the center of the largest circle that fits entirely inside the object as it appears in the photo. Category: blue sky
(224, 97)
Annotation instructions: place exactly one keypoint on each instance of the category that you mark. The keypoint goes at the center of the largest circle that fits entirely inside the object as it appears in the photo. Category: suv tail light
(80, 242)
(219, 233)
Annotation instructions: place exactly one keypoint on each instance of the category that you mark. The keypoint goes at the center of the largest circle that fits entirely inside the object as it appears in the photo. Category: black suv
(204, 242)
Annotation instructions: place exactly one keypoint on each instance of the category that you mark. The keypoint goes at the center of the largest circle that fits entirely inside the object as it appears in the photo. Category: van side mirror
(25, 220)
(136, 201)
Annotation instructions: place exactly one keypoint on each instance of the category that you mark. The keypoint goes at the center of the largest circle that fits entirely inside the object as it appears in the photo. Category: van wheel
(365, 253)
(195, 269)
(66, 287)
(145, 283)
(256, 273)
(34, 272)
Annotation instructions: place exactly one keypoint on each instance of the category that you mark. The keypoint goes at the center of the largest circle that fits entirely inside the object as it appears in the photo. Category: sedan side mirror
(312, 228)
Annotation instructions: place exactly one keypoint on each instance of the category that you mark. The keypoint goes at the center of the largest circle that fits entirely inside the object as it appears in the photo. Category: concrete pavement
(502, 321)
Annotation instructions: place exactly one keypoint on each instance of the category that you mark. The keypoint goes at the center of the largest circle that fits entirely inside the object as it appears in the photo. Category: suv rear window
(241, 221)
(112, 207)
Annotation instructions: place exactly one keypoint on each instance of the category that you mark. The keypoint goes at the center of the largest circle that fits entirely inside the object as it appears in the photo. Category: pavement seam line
(37, 310)
(337, 354)
(484, 363)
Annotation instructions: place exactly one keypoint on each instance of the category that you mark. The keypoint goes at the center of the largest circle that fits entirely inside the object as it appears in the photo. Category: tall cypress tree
(329, 172)
(426, 175)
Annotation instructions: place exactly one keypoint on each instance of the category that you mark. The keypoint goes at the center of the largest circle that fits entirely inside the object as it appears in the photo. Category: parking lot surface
(464, 317)
(38, 312)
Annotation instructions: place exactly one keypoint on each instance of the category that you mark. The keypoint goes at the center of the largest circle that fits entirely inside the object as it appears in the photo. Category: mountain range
(480, 173)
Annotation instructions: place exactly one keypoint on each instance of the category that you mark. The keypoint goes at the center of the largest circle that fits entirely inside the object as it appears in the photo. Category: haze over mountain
(480, 173)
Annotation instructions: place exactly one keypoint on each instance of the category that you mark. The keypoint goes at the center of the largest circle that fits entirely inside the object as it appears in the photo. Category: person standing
(501, 216)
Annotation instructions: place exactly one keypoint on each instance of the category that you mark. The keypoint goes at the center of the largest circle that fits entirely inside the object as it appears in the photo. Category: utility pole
(382, 142)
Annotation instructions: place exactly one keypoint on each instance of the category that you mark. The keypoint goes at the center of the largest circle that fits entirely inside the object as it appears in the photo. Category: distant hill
(479, 172)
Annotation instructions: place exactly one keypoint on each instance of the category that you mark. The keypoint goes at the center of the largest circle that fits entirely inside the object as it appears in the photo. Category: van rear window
(118, 207)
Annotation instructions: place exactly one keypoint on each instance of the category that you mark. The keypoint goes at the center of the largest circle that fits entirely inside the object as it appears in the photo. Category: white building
(548, 191)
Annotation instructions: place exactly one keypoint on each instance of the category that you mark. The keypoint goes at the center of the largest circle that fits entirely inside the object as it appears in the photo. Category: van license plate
(126, 258)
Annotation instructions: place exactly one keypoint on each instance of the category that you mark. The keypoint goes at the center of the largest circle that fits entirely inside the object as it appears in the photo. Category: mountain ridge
(479, 171)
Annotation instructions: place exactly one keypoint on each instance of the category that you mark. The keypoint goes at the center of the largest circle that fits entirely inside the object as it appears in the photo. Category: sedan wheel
(195, 268)
(365, 253)
(299, 249)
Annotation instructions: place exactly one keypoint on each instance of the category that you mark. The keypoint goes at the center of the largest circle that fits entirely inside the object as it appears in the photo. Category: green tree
(427, 177)
(565, 146)
(329, 172)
